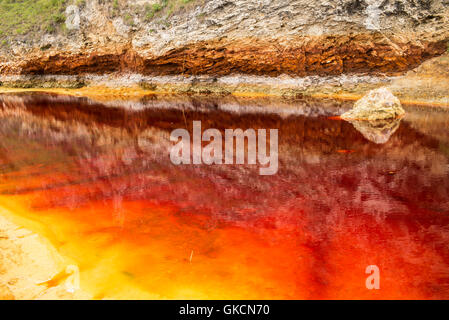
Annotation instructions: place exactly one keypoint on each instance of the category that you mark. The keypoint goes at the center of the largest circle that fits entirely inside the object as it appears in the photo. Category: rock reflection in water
(100, 179)
(377, 131)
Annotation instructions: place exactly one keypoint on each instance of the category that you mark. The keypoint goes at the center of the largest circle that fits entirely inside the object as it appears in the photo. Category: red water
(100, 181)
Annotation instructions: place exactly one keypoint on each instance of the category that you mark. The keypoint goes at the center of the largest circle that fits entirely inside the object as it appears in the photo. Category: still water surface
(98, 179)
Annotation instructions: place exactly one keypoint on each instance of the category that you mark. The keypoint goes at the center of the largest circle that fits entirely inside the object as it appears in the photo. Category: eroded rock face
(378, 104)
(295, 37)
(429, 82)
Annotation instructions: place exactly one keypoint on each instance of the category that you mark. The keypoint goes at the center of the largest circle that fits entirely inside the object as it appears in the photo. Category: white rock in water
(378, 104)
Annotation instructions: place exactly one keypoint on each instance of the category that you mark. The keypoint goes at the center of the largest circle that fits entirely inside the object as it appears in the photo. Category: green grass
(34, 17)
(20, 17)
(165, 7)
(150, 11)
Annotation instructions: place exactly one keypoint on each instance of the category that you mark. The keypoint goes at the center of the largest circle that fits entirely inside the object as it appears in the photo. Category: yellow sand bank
(31, 267)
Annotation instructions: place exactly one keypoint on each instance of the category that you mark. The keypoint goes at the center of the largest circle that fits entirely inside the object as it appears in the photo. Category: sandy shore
(412, 89)
(31, 267)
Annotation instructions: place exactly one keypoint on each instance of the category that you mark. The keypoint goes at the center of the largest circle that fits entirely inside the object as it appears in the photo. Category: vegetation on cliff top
(166, 6)
(34, 17)
(20, 17)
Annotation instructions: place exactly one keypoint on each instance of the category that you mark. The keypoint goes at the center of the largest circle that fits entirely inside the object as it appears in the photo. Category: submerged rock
(377, 131)
(378, 104)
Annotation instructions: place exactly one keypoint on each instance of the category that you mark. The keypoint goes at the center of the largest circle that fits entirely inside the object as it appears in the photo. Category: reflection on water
(377, 131)
(99, 178)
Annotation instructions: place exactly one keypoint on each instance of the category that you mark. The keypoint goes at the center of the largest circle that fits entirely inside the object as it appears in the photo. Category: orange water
(139, 227)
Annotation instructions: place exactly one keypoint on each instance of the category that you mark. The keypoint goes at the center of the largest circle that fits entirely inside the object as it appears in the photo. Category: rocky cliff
(221, 37)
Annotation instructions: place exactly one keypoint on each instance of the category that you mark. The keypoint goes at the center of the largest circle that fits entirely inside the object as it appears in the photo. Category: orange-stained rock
(328, 55)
